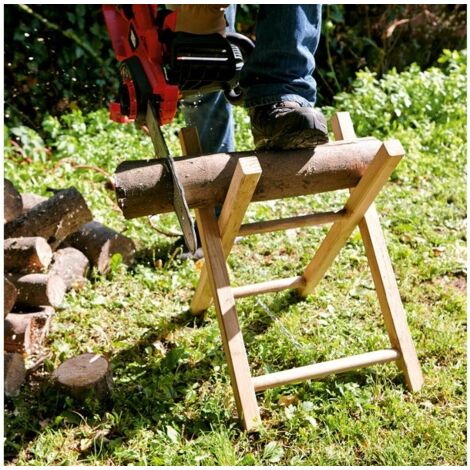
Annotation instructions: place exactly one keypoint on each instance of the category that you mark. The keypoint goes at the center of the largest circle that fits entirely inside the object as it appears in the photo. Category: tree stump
(26, 254)
(99, 243)
(87, 375)
(9, 296)
(31, 200)
(71, 265)
(53, 219)
(13, 205)
(27, 332)
(35, 290)
(14, 373)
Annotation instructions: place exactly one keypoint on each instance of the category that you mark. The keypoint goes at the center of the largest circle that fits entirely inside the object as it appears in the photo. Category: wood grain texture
(384, 277)
(241, 189)
(232, 338)
(53, 219)
(323, 369)
(145, 187)
(86, 375)
(376, 175)
(26, 254)
(99, 243)
(35, 290)
(307, 220)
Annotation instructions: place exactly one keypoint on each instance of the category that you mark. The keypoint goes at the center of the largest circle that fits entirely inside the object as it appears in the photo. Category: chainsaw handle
(235, 95)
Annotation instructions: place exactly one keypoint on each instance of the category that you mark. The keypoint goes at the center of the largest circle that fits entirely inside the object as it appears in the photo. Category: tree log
(35, 290)
(31, 200)
(85, 375)
(9, 296)
(26, 332)
(13, 205)
(26, 254)
(71, 265)
(14, 373)
(52, 219)
(99, 243)
(145, 187)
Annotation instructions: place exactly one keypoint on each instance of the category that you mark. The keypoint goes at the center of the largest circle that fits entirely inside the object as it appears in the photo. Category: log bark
(26, 332)
(26, 254)
(35, 290)
(13, 205)
(9, 296)
(99, 243)
(145, 187)
(31, 200)
(84, 376)
(52, 219)
(71, 265)
(14, 373)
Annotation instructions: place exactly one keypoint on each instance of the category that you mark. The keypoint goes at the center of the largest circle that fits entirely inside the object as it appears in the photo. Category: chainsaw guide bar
(179, 199)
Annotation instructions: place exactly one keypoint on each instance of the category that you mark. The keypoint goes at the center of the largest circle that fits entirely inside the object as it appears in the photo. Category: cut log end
(53, 219)
(85, 375)
(26, 254)
(14, 373)
(39, 289)
(27, 332)
(13, 205)
(72, 266)
(31, 200)
(99, 243)
(9, 296)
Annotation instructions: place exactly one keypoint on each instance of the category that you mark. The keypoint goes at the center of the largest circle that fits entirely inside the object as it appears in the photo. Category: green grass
(172, 403)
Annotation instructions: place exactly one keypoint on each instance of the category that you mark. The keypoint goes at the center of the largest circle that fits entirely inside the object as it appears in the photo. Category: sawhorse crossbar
(218, 236)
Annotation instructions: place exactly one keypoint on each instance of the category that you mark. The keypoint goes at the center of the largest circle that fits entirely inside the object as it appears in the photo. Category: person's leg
(211, 114)
(277, 81)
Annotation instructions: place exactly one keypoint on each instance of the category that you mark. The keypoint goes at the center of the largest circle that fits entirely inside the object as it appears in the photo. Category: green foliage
(411, 99)
(56, 58)
(172, 403)
(382, 37)
(59, 58)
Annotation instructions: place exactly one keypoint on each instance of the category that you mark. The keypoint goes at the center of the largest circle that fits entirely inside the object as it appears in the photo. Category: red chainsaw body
(133, 30)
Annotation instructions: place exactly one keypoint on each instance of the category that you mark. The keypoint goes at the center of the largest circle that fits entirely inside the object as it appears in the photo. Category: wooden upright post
(242, 187)
(377, 173)
(232, 338)
(216, 246)
(383, 276)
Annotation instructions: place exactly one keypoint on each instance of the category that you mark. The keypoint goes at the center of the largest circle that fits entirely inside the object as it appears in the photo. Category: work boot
(287, 125)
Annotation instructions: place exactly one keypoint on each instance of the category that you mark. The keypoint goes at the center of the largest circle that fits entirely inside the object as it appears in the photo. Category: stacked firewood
(50, 246)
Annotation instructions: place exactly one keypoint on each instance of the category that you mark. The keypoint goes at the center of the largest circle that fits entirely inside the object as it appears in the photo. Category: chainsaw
(158, 67)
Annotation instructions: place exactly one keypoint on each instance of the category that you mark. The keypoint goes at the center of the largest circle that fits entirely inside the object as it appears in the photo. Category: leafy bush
(59, 57)
(381, 37)
(413, 98)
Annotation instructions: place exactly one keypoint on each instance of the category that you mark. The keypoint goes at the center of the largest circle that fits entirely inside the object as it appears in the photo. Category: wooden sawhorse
(218, 236)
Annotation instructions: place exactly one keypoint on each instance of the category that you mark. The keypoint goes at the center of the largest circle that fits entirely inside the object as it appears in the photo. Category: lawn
(172, 402)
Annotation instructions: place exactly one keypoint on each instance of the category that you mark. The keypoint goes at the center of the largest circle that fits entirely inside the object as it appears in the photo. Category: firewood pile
(50, 246)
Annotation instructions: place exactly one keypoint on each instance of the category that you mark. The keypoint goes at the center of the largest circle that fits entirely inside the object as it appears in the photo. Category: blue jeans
(279, 69)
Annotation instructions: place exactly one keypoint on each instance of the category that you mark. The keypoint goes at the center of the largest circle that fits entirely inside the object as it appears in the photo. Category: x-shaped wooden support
(217, 240)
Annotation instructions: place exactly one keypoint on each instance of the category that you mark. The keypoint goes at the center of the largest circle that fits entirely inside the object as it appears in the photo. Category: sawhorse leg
(384, 277)
(217, 238)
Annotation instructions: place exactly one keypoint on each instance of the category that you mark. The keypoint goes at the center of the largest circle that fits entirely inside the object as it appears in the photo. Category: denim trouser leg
(211, 114)
(281, 66)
